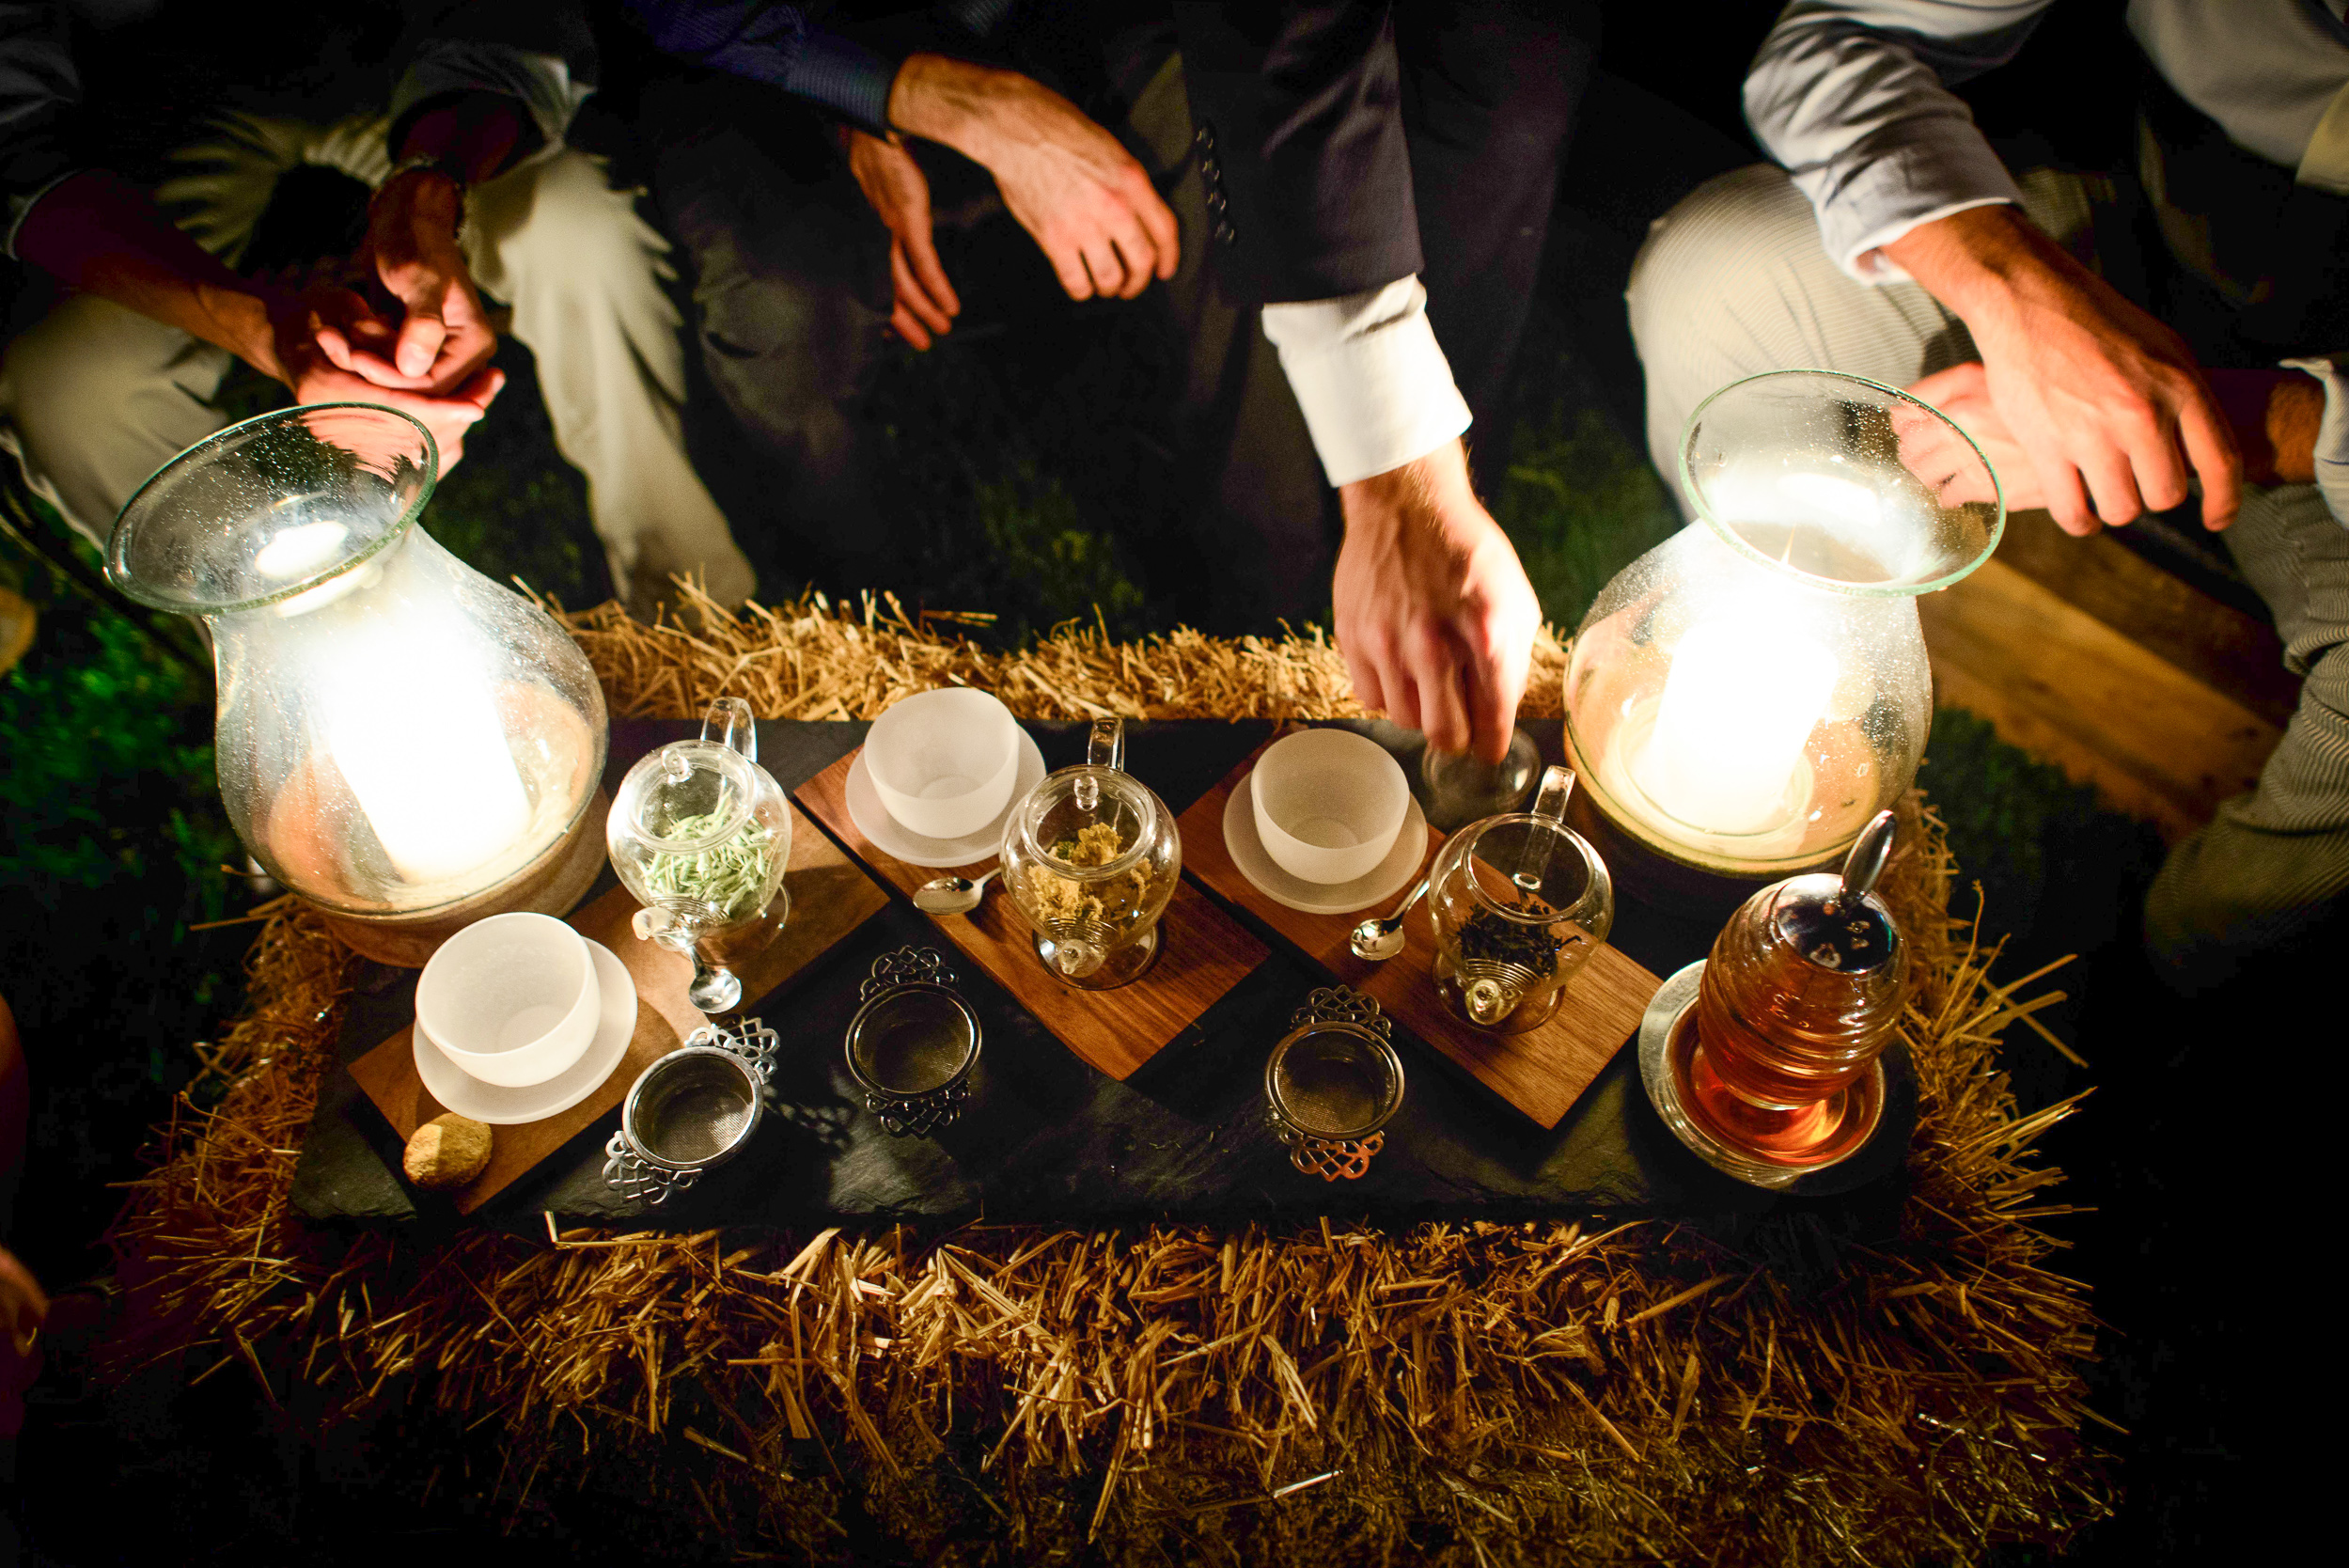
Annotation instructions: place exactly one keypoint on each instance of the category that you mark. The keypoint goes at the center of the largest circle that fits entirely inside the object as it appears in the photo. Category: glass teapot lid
(692, 795)
(1106, 815)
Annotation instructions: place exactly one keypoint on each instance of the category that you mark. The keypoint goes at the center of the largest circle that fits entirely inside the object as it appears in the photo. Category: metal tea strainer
(1333, 1083)
(912, 1043)
(693, 1109)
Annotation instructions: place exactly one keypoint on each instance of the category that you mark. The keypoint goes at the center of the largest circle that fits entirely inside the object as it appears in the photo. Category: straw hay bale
(1464, 1393)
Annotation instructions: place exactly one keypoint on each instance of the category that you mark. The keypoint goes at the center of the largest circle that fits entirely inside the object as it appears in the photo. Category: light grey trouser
(1734, 282)
(94, 397)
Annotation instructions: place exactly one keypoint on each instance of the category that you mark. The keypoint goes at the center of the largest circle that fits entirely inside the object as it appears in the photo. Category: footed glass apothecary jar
(701, 834)
(402, 743)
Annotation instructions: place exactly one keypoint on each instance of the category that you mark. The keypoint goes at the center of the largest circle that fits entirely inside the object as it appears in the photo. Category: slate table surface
(1045, 1137)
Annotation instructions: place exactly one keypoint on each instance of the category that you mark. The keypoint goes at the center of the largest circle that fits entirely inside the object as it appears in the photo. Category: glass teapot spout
(678, 927)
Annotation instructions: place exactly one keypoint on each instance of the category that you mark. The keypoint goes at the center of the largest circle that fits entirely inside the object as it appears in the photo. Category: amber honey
(1777, 1057)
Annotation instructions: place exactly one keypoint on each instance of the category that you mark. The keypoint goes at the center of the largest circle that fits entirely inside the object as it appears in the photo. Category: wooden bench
(2088, 655)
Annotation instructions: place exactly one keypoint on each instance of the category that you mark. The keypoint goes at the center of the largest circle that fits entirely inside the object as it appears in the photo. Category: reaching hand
(2105, 402)
(900, 193)
(1435, 615)
(1089, 205)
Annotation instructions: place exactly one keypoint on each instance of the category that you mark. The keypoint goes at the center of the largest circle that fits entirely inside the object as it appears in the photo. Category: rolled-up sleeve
(775, 44)
(1372, 383)
(38, 88)
(1851, 97)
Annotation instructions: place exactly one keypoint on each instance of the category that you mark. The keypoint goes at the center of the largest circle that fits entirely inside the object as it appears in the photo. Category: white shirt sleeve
(1849, 96)
(2332, 433)
(1374, 384)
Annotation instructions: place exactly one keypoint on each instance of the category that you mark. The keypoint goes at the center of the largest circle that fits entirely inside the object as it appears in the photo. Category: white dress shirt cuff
(2332, 434)
(1374, 385)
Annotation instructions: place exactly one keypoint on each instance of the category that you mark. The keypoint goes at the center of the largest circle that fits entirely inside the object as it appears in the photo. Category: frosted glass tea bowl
(943, 761)
(1328, 804)
(512, 1000)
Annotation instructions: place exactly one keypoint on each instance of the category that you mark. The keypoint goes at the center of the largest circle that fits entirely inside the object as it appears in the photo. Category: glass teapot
(1520, 902)
(1090, 857)
(700, 835)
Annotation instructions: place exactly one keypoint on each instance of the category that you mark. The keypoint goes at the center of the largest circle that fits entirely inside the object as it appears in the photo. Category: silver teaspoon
(951, 895)
(1380, 940)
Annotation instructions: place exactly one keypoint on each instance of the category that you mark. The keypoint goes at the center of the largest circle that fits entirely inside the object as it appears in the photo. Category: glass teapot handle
(1533, 861)
(730, 717)
(1557, 784)
(1105, 747)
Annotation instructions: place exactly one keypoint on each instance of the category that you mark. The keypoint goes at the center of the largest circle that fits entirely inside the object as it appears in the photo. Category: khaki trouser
(1734, 282)
(94, 397)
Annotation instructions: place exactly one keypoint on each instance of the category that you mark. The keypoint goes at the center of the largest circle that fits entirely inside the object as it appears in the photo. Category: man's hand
(2271, 415)
(2104, 402)
(900, 193)
(292, 350)
(1089, 205)
(436, 337)
(1435, 615)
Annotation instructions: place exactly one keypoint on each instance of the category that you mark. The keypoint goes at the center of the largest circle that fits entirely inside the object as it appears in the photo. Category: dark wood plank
(1204, 953)
(830, 898)
(2071, 688)
(1542, 1073)
(2235, 654)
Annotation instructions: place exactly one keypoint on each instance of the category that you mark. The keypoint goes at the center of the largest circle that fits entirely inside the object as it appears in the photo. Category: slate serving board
(1048, 1139)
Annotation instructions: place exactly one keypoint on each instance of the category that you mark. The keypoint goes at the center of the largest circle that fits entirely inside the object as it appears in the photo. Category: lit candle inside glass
(408, 717)
(416, 738)
(1741, 700)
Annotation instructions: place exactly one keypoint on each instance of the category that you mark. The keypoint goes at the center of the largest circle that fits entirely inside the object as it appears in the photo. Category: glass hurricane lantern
(1746, 695)
(401, 742)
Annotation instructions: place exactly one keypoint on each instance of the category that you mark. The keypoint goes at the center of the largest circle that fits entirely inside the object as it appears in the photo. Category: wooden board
(1204, 953)
(830, 898)
(2156, 741)
(1542, 1071)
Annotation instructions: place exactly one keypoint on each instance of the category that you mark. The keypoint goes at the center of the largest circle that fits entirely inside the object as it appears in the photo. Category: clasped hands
(398, 323)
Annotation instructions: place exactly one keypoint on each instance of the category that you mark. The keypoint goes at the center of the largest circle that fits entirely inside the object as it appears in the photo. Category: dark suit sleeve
(1298, 110)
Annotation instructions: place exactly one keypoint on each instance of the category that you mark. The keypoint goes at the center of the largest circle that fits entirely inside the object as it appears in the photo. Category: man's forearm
(957, 104)
(103, 235)
(1968, 260)
(2275, 415)
(477, 134)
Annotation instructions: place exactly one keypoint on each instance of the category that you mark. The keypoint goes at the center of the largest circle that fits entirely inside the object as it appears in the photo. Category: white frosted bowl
(512, 1000)
(1328, 804)
(943, 761)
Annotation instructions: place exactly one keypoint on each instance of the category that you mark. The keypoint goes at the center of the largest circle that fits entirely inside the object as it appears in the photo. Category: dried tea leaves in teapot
(727, 877)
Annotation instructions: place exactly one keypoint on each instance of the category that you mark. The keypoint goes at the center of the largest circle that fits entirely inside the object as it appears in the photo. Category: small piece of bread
(446, 1151)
